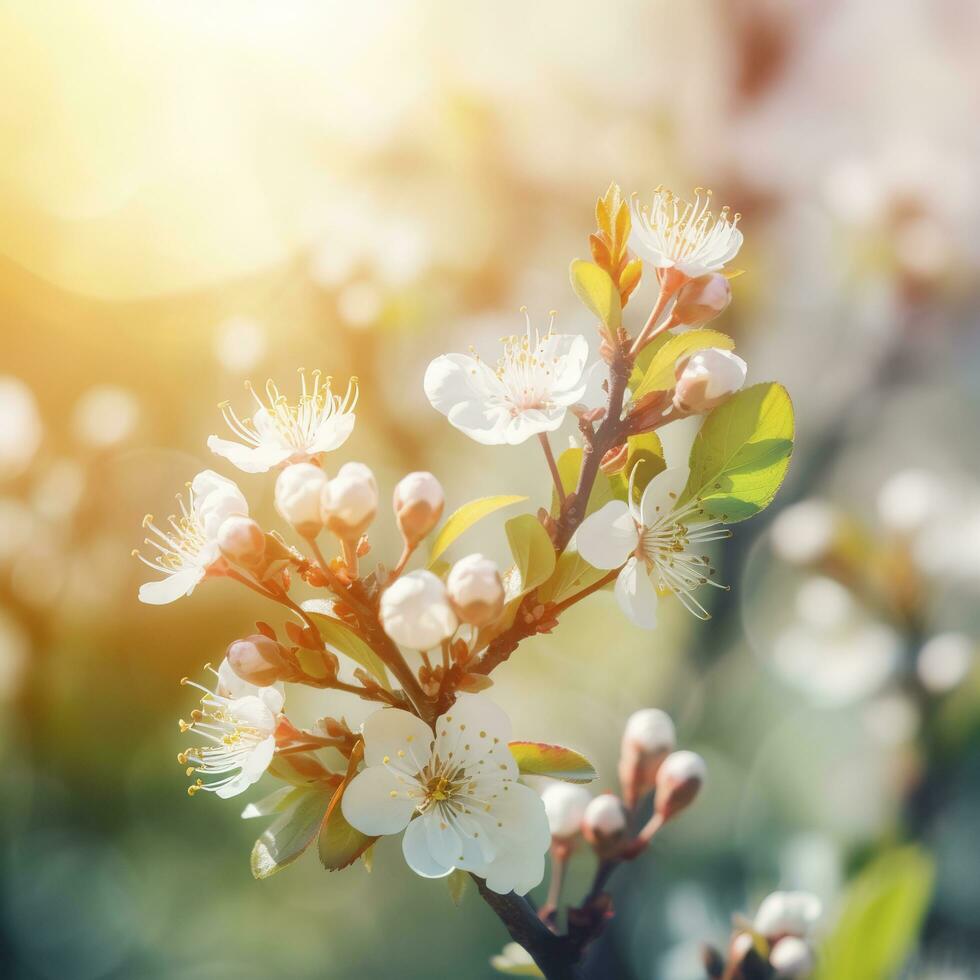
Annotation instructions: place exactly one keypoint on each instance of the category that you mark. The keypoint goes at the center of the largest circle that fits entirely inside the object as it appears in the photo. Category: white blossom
(674, 234)
(280, 433)
(604, 818)
(650, 730)
(787, 914)
(529, 392)
(476, 590)
(415, 611)
(418, 501)
(188, 548)
(237, 724)
(652, 545)
(708, 378)
(455, 793)
(350, 500)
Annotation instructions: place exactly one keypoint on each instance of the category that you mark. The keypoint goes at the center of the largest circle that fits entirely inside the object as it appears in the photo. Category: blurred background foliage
(192, 194)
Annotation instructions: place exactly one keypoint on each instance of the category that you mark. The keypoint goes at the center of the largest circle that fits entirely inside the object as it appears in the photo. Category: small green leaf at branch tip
(290, 834)
(533, 551)
(659, 374)
(457, 883)
(339, 637)
(740, 456)
(883, 911)
(572, 574)
(595, 288)
(464, 518)
(555, 761)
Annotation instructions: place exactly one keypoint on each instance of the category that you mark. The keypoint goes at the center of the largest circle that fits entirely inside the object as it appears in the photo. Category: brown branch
(555, 955)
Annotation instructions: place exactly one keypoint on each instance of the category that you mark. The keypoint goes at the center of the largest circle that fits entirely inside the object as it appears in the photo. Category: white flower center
(665, 547)
(527, 374)
(686, 230)
(294, 425)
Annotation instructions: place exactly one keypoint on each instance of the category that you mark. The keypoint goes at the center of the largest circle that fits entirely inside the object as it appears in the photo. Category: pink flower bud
(701, 300)
(648, 739)
(604, 824)
(418, 501)
(257, 660)
(565, 806)
(476, 590)
(708, 378)
(679, 780)
(241, 540)
(792, 958)
(298, 491)
(349, 501)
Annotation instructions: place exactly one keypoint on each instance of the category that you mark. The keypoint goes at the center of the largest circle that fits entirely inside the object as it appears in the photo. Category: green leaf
(572, 574)
(341, 844)
(533, 552)
(569, 467)
(659, 375)
(290, 834)
(647, 451)
(277, 802)
(541, 759)
(339, 637)
(880, 921)
(741, 454)
(595, 288)
(463, 519)
(457, 884)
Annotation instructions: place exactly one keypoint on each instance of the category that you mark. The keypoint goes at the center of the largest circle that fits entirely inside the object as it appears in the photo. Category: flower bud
(256, 659)
(418, 501)
(702, 299)
(648, 739)
(565, 806)
(604, 824)
(476, 590)
(787, 914)
(615, 460)
(792, 958)
(241, 540)
(415, 611)
(679, 780)
(298, 491)
(349, 501)
(707, 378)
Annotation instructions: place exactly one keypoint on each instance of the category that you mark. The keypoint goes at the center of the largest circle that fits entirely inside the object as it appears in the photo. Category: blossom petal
(171, 588)
(463, 389)
(399, 737)
(475, 733)
(569, 353)
(252, 769)
(443, 842)
(415, 847)
(369, 806)
(519, 428)
(606, 538)
(333, 433)
(249, 459)
(637, 595)
(515, 871)
(661, 494)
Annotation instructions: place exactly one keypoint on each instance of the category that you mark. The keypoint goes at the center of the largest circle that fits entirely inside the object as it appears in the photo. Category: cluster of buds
(614, 825)
(776, 945)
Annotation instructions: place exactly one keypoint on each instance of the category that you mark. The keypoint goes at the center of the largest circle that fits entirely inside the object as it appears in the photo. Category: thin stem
(402, 562)
(671, 282)
(594, 587)
(350, 556)
(559, 864)
(337, 585)
(553, 466)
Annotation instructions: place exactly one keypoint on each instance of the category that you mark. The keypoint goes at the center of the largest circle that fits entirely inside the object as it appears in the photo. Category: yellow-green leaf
(541, 759)
(647, 452)
(290, 834)
(741, 454)
(463, 519)
(340, 844)
(533, 552)
(338, 636)
(457, 884)
(880, 921)
(569, 467)
(659, 375)
(595, 288)
(572, 574)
